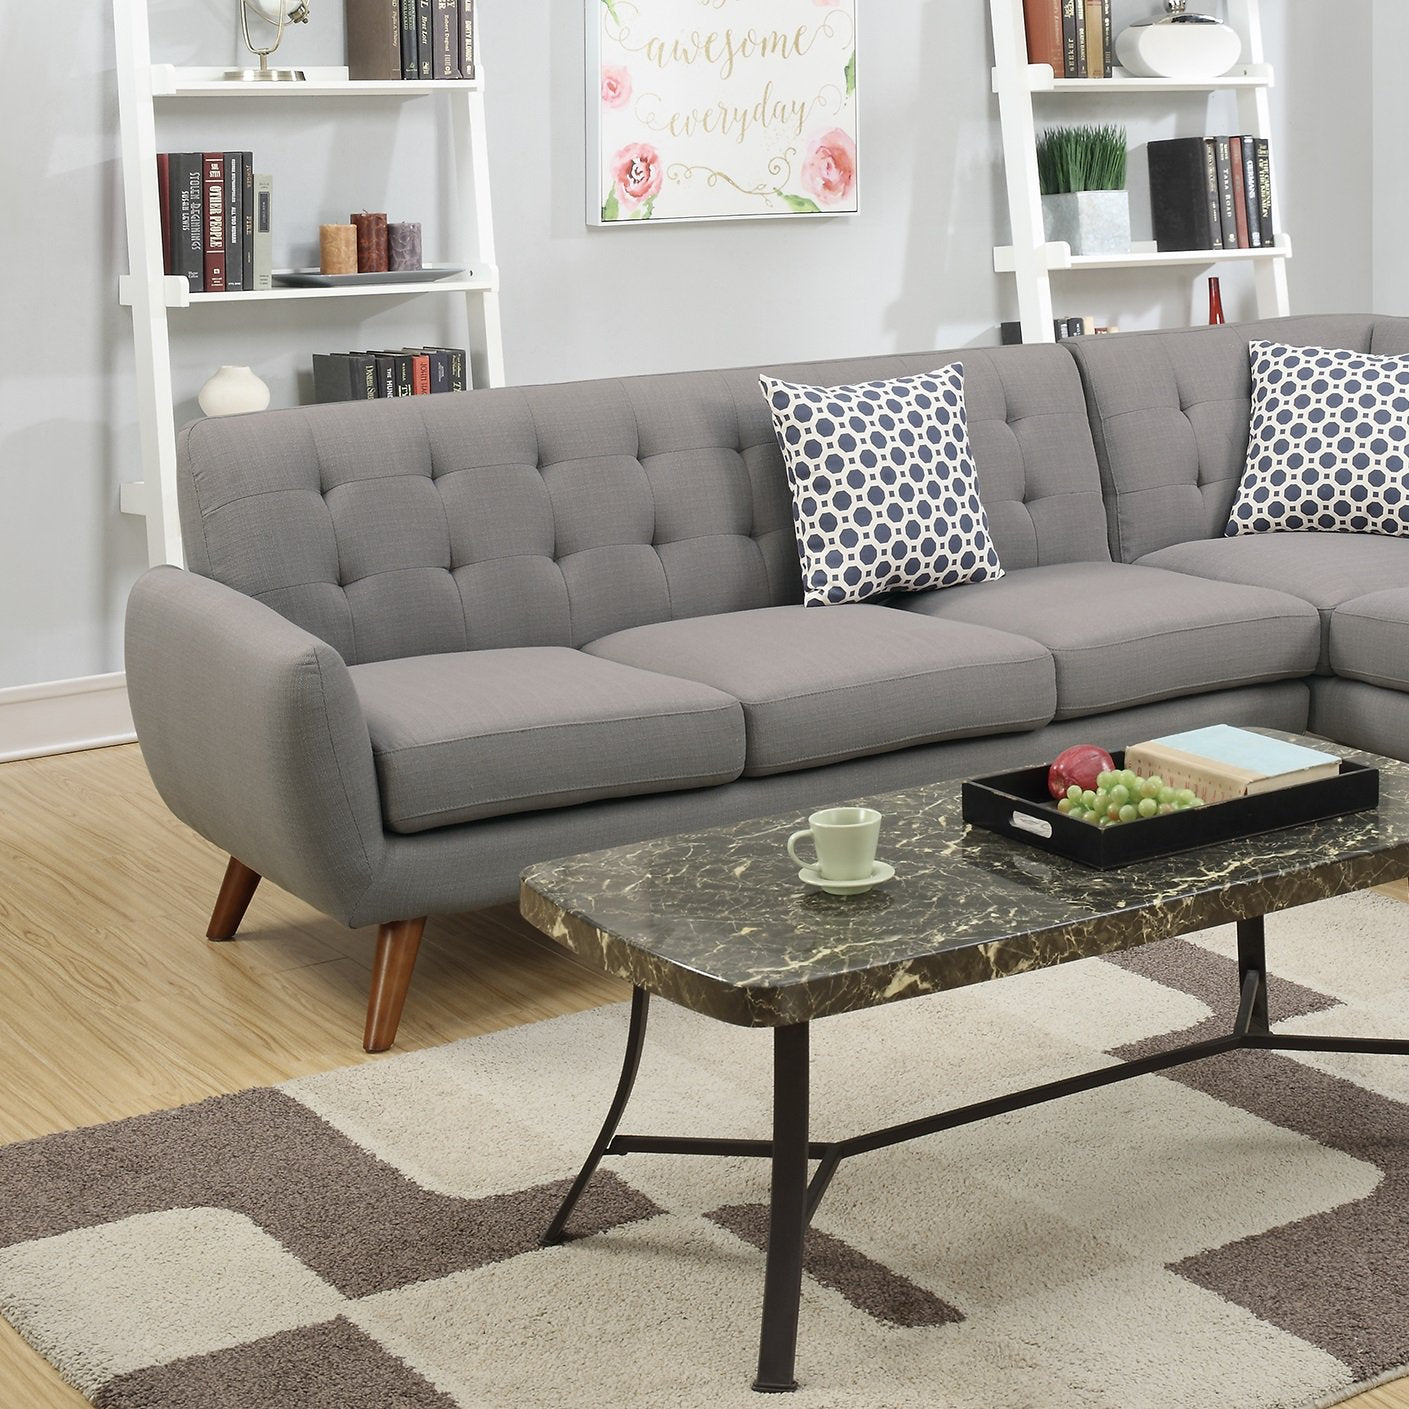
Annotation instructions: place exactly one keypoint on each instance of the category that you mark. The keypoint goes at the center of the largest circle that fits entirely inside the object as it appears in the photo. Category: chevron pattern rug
(1235, 1233)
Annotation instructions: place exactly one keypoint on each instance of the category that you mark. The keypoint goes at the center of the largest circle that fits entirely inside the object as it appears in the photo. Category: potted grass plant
(1081, 173)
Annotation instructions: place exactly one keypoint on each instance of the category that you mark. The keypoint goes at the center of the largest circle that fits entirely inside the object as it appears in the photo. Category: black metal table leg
(635, 1041)
(787, 1217)
(1252, 958)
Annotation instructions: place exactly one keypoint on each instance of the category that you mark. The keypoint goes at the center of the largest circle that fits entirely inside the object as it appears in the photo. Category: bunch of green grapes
(1123, 796)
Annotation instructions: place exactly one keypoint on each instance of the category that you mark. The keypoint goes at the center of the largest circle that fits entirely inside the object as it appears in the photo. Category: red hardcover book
(1240, 200)
(164, 198)
(1043, 22)
(213, 173)
(420, 374)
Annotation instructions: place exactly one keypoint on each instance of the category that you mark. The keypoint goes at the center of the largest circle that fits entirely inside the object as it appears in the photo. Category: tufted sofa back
(552, 515)
(1169, 412)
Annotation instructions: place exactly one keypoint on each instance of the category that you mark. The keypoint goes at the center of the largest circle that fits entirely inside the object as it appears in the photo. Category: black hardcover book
(1264, 190)
(1249, 159)
(1215, 220)
(459, 363)
(362, 375)
(344, 376)
(410, 65)
(1082, 66)
(446, 23)
(386, 373)
(467, 38)
(401, 369)
(234, 222)
(247, 206)
(330, 379)
(1107, 48)
(425, 40)
(188, 217)
(164, 197)
(1179, 206)
(1069, 13)
(439, 368)
(1227, 208)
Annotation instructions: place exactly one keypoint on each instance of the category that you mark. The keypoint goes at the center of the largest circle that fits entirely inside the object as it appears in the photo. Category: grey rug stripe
(1233, 1233)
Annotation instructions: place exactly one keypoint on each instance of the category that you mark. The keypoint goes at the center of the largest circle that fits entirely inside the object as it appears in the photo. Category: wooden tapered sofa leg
(236, 891)
(397, 943)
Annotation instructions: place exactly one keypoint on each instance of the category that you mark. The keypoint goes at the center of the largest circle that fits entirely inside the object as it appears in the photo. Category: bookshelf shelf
(1030, 258)
(1039, 78)
(171, 81)
(177, 292)
(144, 89)
(1058, 256)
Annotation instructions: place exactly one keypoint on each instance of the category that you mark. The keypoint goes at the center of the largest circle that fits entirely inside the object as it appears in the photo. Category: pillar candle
(337, 248)
(371, 241)
(404, 244)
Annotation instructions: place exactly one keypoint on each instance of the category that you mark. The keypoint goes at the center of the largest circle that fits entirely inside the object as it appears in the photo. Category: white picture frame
(720, 110)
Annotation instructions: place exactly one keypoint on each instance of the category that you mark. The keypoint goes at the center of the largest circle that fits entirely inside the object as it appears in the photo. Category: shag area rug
(1234, 1235)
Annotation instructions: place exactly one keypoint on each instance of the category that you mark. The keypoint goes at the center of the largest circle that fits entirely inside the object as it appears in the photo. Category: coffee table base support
(788, 1212)
(631, 1063)
(794, 1198)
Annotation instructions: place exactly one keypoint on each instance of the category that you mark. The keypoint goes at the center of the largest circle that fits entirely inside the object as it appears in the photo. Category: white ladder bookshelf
(1021, 86)
(155, 296)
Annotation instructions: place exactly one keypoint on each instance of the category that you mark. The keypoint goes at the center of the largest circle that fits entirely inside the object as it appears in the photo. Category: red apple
(1078, 764)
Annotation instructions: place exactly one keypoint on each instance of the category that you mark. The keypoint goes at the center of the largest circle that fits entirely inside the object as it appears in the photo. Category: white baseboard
(60, 716)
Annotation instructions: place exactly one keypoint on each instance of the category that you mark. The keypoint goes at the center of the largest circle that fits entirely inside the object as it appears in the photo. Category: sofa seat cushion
(1123, 635)
(820, 684)
(1370, 639)
(1324, 569)
(473, 734)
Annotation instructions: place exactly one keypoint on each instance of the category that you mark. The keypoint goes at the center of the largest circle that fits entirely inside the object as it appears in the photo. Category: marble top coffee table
(717, 921)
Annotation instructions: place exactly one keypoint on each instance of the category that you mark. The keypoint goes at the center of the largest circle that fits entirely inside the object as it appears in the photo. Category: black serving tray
(1017, 805)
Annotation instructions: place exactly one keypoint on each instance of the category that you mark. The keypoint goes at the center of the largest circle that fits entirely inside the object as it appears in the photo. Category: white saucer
(881, 873)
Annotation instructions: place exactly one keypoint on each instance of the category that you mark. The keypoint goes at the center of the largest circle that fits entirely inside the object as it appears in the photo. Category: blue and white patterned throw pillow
(1328, 443)
(884, 493)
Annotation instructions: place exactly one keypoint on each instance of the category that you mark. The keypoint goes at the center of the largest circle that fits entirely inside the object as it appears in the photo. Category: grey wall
(1390, 132)
(913, 270)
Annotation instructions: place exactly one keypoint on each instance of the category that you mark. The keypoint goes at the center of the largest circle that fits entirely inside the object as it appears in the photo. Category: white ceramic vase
(233, 390)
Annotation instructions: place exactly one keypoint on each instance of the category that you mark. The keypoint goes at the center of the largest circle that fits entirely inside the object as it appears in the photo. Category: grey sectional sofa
(421, 644)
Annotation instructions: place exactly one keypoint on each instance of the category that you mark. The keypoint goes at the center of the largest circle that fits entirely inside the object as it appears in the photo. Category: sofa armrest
(254, 736)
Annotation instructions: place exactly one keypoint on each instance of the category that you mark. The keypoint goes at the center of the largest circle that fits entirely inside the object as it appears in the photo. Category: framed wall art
(720, 109)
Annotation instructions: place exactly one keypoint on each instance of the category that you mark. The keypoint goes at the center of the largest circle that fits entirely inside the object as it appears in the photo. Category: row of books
(1211, 193)
(406, 371)
(1084, 326)
(410, 38)
(216, 212)
(1073, 36)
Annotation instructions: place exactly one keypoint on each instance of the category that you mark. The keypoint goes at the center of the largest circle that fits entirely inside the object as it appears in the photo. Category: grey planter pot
(1091, 222)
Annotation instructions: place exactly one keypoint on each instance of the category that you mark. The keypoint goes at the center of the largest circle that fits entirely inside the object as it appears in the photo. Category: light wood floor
(111, 1003)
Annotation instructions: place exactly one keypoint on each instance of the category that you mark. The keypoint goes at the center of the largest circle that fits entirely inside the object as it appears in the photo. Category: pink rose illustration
(616, 86)
(829, 171)
(636, 170)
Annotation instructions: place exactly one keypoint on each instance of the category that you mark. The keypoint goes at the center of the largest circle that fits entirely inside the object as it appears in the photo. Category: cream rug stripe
(367, 1237)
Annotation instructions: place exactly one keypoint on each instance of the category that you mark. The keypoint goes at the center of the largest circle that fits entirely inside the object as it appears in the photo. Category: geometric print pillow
(1328, 443)
(885, 498)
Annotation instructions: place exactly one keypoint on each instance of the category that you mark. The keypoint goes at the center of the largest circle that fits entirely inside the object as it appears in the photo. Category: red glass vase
(1215, 301)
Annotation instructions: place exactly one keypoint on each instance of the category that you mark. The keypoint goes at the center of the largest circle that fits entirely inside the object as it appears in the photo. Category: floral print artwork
(716, 109)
